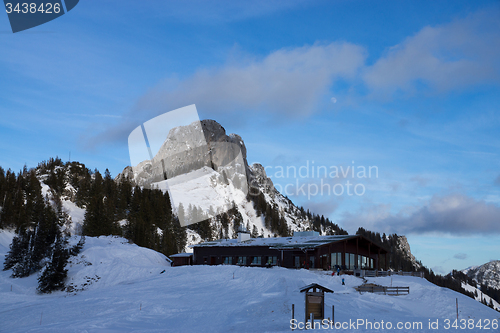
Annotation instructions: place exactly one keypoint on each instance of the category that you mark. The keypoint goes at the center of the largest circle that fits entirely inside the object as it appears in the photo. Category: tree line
(113, 207)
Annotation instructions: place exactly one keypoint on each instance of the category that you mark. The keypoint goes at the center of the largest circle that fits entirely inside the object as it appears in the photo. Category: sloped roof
(315, 285)
(280, 243)
(181, 255)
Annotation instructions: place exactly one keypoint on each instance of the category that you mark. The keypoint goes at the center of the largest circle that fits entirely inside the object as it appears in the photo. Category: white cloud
(293, 82)
(441, 58)
(287, 81)
(460, 256)
(453, 214)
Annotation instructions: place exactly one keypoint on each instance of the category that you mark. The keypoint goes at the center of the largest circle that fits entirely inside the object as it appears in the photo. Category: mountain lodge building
(306, 249)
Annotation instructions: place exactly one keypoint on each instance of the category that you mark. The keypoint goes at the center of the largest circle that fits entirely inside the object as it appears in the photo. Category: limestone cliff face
(191, 147)
(404, 248)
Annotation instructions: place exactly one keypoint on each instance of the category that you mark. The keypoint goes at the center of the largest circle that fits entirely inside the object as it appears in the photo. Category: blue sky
(412, 88)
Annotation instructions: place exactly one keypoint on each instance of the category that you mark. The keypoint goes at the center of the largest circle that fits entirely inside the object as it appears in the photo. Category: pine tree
(181, 214)
(99, 216)
(55, 273)
(18, 250)
(179, 235)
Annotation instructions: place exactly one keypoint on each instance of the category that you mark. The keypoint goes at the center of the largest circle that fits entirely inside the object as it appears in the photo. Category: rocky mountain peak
(404, 248)
(191, 147)
(487, 274)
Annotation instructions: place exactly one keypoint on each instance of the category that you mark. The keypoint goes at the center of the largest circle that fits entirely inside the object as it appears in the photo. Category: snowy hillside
(127, 291)
(487, 274)
(481, 296)
(76, 214)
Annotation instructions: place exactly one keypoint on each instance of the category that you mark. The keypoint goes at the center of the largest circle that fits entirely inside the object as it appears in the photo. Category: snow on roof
(315, 285)
(181, 255)
(301, 242)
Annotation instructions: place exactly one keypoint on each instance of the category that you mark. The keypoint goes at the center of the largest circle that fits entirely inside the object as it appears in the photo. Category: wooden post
(378, 260)
(305, 321)
(293, 313)
(311, 316)
(357, 255)
(333, 314)
(369, 253)
(457, 309)
(343, 254)
(329, 260)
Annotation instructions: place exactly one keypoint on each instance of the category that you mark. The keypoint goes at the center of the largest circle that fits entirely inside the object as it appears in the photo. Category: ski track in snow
(132, 294)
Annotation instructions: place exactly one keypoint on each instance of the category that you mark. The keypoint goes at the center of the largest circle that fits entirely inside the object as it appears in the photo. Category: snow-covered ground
(127, 291)
(480, 295)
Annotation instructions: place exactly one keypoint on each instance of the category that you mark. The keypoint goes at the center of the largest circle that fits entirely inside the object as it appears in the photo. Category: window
(228, 261)
(351, 261)
(371, 263)
(336, 259)
(256, 260)
(242, 260)
(272, 261)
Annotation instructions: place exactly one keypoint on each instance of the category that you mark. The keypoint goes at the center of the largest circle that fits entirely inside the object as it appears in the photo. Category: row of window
(363, 262)
(255, 260)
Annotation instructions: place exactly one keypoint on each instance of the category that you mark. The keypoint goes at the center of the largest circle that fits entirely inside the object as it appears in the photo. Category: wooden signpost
(315, 301)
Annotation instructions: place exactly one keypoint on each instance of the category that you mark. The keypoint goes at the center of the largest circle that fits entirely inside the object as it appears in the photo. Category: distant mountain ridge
(487, 274)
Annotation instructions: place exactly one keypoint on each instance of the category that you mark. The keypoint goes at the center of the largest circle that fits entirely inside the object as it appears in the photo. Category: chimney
(243, 236)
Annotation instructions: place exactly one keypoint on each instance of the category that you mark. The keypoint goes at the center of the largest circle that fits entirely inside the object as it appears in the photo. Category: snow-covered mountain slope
(132, 294)
(481, 296)
(487, 274)
(6, 237)
(75, 214)
(210, 181)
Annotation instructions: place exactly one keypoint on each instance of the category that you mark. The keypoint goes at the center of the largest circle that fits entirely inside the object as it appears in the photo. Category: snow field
(132, 294)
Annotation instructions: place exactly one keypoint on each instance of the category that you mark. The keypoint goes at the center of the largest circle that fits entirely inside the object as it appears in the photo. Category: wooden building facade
(182, 259)
(303, 250)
